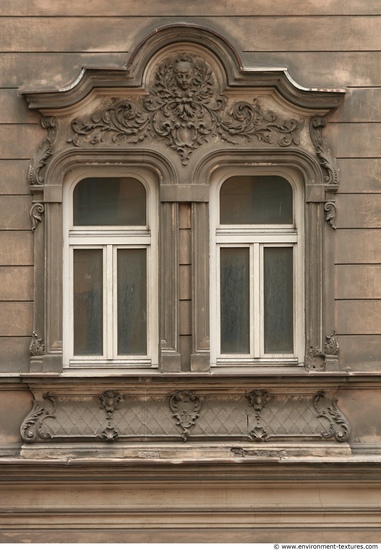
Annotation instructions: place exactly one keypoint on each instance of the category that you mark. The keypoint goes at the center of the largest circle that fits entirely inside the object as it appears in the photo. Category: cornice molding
(207, 39)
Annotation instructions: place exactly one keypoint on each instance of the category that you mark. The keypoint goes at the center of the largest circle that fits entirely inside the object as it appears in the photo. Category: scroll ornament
(322, 150)
(36, 213)
(32, 426)
(185, 110)
(44, 152)
(338, 424)
(330, 213)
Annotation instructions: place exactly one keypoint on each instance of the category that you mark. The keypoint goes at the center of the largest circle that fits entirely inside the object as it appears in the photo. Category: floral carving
(258, 399)
(110, 401)
(338, 424)
(36, 346)
(31, 428)
(185, 406)
(323, 152)
(184, 109)
(258, 433)
(44, 151)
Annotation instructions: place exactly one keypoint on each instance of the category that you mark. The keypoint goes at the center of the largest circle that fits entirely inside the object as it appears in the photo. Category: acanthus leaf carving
(184, 109)
(32, 428)
(44, 152)
(338, 424)
(185, 406)
(323, 152)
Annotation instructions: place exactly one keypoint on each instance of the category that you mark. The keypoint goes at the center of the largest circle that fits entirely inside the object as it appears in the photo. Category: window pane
(256, 200)
(132, 302)
(109, 201)
(278, 299)
(88, 302)
(235, 308)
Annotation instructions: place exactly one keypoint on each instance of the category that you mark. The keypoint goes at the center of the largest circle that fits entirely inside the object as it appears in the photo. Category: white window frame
(256, 238)
(110, 239)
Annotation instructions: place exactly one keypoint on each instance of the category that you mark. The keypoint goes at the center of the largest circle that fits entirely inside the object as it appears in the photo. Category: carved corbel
(323, 152)
(185, 406)
(36, 213)
(44, 152)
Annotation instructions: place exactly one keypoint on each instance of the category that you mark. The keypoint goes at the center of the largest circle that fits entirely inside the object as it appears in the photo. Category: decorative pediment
(184, 109)
(184, 90)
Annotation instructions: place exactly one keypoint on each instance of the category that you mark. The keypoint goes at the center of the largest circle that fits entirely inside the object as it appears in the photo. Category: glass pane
(88, 302)
(235, 310)
(256, 200)
(132, 302)
(278, 299)
(109, 201)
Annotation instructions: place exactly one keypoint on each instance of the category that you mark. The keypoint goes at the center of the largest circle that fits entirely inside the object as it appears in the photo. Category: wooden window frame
(254, 238)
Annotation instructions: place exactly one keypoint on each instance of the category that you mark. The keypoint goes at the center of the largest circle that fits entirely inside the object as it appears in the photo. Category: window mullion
(109, 303)
(256, 302)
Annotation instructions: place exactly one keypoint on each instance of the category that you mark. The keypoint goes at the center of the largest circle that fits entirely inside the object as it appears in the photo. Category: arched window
(256, 269)
(110, 273)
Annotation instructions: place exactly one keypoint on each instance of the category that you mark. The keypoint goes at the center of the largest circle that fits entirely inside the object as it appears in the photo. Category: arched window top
(256, 200)
(109, 201)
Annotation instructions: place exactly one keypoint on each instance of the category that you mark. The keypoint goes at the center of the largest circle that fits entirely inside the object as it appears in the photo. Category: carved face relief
(183, 71)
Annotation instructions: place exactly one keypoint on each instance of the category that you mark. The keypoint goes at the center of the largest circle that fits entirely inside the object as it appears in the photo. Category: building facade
(190, 335)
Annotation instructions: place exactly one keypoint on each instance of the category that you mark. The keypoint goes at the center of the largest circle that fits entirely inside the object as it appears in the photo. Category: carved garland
(184, 109)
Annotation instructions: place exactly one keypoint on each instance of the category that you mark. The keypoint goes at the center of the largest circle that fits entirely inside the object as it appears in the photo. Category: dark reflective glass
(256, 200)
(235, 311)
(132, 302)
(278, 299)
(109, 201)
(88, 302)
